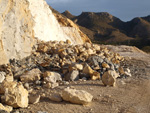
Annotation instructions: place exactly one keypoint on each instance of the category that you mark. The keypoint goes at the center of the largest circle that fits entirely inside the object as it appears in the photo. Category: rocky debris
(34, 98)
(57, 63)
(55, 97)
(31, 76)
(16, 96)
(5, 109)
(76, 96)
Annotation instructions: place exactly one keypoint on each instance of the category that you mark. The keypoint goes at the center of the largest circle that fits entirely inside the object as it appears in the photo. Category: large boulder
(22, 24)
(109, 78)
(76, 96)
(16, 97)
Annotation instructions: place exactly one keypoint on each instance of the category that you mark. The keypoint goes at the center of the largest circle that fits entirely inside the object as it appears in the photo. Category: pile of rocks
(52, 64)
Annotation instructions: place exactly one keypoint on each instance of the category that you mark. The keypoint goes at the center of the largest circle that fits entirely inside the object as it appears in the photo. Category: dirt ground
(131, 95)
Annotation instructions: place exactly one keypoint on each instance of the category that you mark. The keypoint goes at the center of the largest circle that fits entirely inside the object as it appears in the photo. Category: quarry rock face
(22, 22)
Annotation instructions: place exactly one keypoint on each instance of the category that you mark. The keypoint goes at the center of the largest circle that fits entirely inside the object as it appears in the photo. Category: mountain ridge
(108, 29)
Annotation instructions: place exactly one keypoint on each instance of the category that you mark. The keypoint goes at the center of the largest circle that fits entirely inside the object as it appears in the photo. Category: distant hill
(107, 29)
(68, 14)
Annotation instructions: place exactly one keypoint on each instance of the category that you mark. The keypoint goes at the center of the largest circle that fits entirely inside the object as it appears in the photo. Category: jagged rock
(55, 97)
(76, 96)
(22, 25)
(52, 77)
(87, 69)
(109, 78)
(75, 66)
(5, 109)
(31, 76)
(2, 76)
(34, 98)
(95, 76)
(16, 97)
(72, 76)
(105, 65)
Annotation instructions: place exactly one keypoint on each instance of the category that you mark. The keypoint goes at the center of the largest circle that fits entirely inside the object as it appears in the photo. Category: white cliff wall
(24, 21)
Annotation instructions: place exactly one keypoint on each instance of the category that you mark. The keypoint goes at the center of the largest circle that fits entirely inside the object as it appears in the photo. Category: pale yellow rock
(76, 96)
(6, 108)
(105, 65)
(16, 97)
(109, 78)
(75, 66)
(87, 69)
(31, 76)
(95, 76)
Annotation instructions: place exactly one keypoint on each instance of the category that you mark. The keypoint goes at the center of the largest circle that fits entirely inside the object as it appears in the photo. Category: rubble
(58, 63)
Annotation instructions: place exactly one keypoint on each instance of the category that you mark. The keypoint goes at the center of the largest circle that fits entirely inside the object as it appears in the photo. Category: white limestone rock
(22, 22)
(76, 96)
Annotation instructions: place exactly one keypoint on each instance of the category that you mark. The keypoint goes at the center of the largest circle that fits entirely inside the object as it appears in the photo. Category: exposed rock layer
(22, 22)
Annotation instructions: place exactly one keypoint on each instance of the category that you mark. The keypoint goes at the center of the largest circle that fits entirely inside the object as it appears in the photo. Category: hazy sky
(123, 9)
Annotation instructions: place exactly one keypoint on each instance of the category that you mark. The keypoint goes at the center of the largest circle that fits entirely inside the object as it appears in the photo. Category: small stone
(48, 85)
(87, 69)
(76, 96)
(55, 97)
(26, 85)
(127, 72)
(9, 78)
(34, 98)
(72, 76)
(2, 76)
(90, 52)
(66, 83)
(75, 66)
(68, 42)
(52, 77)
(31, 76)
(54, 85)
(42, 48)
(109, 78)
(105, 65)
(121, 70)
(95, 76)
